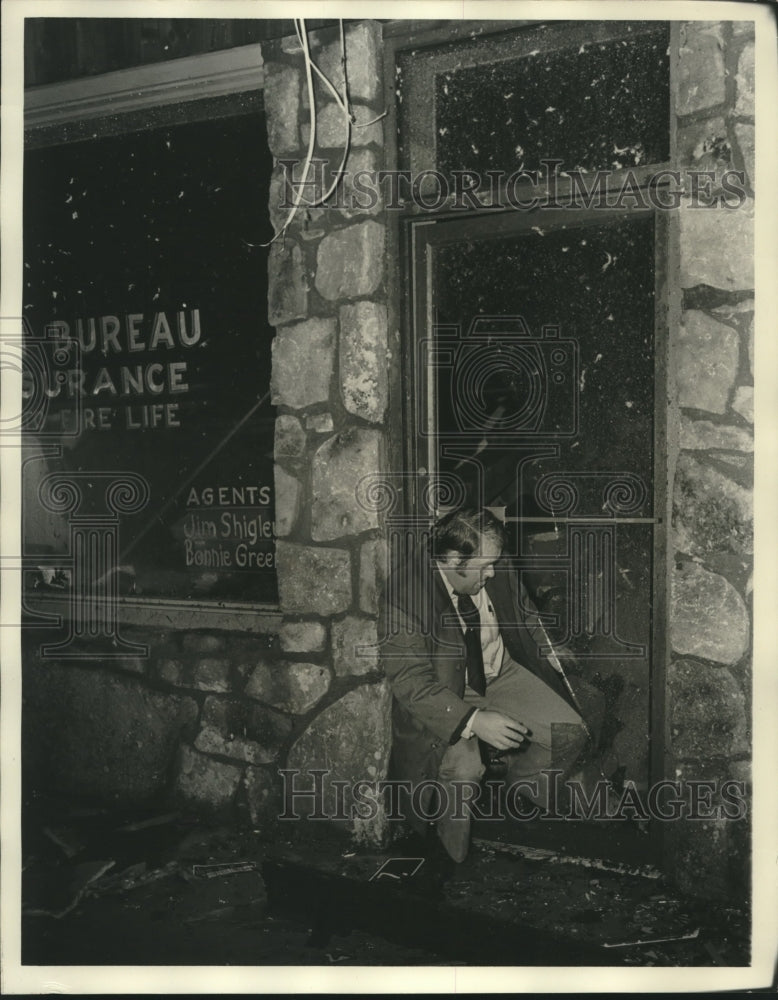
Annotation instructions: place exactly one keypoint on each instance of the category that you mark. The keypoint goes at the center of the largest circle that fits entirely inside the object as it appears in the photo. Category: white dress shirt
(491, 640)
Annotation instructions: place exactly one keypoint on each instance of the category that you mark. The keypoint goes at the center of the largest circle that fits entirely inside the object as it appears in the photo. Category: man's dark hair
(461, 530)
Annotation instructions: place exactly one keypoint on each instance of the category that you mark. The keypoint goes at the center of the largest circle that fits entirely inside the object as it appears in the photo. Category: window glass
(137, 246)
(511, 101)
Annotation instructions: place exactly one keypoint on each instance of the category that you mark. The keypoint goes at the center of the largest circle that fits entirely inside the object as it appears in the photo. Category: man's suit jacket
(424, 658)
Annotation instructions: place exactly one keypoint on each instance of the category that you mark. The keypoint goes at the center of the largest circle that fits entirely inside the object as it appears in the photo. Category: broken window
(593, 95)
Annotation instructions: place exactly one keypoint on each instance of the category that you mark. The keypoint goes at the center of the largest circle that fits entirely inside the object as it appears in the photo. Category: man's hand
(498, 730)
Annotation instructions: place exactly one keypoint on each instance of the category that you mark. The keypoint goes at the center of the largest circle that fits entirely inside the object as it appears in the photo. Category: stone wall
(194, 723)
(711, 454)
(331, 358)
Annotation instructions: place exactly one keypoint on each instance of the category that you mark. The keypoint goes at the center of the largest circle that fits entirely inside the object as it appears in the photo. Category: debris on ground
(54, 891)
(163, 888)
(662, 940)
(227, 868)
(66, 839)
(132, 878)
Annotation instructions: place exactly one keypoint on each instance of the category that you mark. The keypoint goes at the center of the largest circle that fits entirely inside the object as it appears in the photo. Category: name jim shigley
(203, 528)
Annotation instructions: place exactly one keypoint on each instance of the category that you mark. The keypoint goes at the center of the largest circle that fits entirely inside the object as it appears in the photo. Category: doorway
(533, 370)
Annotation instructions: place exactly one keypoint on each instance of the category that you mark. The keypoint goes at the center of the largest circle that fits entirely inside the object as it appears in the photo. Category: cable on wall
(343, 102)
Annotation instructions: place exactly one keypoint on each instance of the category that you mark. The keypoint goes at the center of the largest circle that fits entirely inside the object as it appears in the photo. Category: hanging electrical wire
(303, 36)
(343, 102)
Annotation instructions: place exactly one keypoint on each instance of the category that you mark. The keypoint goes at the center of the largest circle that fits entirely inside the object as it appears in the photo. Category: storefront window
(143, 249)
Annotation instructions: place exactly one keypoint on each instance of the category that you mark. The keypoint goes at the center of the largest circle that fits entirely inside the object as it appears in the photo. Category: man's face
(472, 573)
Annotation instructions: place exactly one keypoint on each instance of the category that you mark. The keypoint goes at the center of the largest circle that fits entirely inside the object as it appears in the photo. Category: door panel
(534, 378)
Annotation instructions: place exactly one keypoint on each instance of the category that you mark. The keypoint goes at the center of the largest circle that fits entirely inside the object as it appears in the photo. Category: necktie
(475, 654)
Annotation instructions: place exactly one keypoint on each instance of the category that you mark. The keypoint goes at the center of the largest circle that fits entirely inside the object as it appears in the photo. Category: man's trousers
(558, 736)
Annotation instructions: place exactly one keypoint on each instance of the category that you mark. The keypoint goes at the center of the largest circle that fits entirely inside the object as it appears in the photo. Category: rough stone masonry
(711, 456)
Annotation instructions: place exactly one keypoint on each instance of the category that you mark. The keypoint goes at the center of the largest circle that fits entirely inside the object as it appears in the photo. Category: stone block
(350, 261)
(313, 580)
(701, 769)
(245, 732)
(289, 437)
(292, 687)
(734, 463)
(740, 770)
(303, 361)
(745, 140)
(361, 193)
(171, 671)
(363, 61)
(372, 574)
(366, 130)
(717, 246)
(331, 128)
(302, 637)
(202, 642)
(708, 617)
(287, 296)
(339, 465)
(210, 740)
(744, 81)
(212, 674)
(702, 435)
(87, 732)
(707, 362)
(352, 739)
(743, 403)
(701, 76)
(280, 197)
(702, 858)
(282, 107)
(711, 513)
(263, 796)
(319, 423)
(287, 502)
(364, 380)
(291, 44)
(354, 646)
(204, 782)
(266, 726)
(708, 716)
(308, 189)
(733, 310)
(701, 145)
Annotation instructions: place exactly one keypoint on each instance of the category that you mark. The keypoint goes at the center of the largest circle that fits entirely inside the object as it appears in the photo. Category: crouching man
(461, 653)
